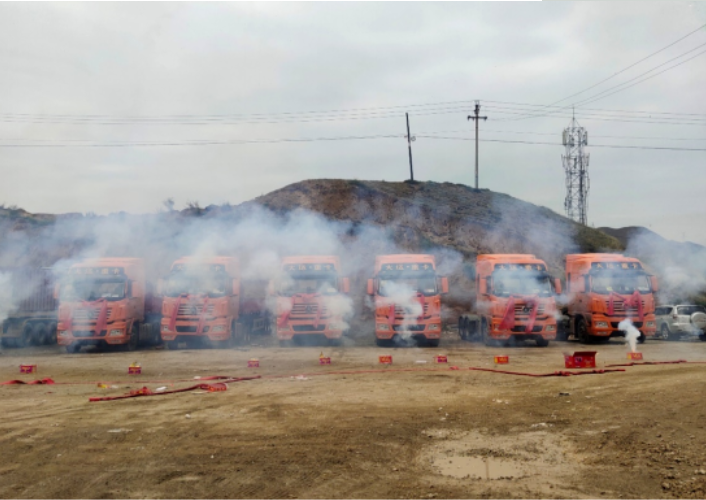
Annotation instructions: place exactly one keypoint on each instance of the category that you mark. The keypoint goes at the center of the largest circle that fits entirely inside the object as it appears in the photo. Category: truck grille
(619, 306)
(399, 311)
(520, 309)
(88, 333)
(190, 329)
(304, 309)
(308, 328)
(85, 314)
(193, 310)
(408, 328)
(523, 328)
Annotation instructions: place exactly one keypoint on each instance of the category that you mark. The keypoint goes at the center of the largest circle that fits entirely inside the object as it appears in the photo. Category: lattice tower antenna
(575, 161)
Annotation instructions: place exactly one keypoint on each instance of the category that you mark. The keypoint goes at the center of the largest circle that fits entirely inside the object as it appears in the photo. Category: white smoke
(631, 333)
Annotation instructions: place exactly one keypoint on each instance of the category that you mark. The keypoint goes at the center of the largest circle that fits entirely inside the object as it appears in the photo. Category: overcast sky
(77, 74)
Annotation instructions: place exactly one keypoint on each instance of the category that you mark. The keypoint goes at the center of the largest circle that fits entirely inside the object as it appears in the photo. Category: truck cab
(406, 291)
(201, 303)
(605, 289)
(515, 300)
(105, 302)
(310, 299)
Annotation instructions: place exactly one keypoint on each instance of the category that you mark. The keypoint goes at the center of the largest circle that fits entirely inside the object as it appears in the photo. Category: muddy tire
(384, 342)
(541, 342)
(641, 339)
(27, 338)
(133, 340)
(485, 334)
(286, 343)
(73, 348)
(172, 345)
(432, 343)
(462, 328)
(582, 332)
(702, 337)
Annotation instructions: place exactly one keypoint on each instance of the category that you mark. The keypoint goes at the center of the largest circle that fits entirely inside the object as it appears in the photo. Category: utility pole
(476, 119)
(409, 147)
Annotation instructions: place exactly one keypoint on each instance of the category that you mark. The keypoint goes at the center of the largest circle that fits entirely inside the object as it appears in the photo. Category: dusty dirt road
(383, 434)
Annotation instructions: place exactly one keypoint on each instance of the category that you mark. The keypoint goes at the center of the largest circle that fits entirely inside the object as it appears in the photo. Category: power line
(527, 107)
(517, 132)
(628, 67)
(589, 116)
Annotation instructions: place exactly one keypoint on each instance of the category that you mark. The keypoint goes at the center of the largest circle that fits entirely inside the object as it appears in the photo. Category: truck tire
(432, 343)
(384, 342)
(702, 337)
(541, 342)
(51, 334)
(134, 339)
(582, 331)
(27, 338)
(641, 339)
(172, 345)
(485, 334)
(73, 348)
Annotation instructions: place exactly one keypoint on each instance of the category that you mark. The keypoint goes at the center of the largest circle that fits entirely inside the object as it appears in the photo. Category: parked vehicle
(515, 300)
(605, 289)
(407, 296)
(310, 299)
(107, 302)
(207, 303)
(675, 322)
(28, 306)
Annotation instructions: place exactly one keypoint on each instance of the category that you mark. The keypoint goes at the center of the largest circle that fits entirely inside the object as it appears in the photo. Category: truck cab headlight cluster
(62, 333)
(550, 328)
(115, 333)
(383, 326)
(601, 324)
(165, 328)
(218, 328)
(433, 327)
(650, 323)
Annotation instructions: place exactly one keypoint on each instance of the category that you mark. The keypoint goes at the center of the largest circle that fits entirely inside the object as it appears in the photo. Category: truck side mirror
(371, 288)
(444, 284)
(160, 287)
(653, 282)
(557, 286)
(345, 285)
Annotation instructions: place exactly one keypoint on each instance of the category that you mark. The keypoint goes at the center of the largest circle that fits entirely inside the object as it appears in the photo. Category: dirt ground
(310, 431)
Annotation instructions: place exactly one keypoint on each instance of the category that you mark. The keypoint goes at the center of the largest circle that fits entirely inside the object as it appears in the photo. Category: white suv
(673, 322)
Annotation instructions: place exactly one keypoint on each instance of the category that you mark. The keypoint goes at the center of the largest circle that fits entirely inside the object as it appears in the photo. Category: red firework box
(28, 368)
(441, 359)
(253, 363)
(635, 356)
(134, 369)
(323, 360)
(385, 360)
(580, 359)
(501, 360)
(217, 387)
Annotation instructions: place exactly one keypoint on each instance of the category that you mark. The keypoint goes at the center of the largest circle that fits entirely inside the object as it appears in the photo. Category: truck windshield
(521, 282)
(424, 285)
(90, 289)
(213, 285)
(622, 283)
(294, 284)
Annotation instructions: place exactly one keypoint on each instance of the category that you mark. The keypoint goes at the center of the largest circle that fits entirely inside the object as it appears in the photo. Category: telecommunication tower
(575, 161)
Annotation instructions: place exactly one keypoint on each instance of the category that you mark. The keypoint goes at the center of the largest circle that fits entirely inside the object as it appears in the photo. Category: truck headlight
(433, 327)
(550, 328)
(62, 333)
(601, 324)
(115, 333)
(650, 323)
(165, 328)
(383, 326)
(218, 328)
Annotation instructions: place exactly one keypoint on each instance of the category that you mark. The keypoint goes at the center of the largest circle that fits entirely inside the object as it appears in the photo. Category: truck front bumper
(428, 329)
(217, 329)
(114, 334)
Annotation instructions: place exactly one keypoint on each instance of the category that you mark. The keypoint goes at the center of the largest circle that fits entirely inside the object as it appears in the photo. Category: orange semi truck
(105, 302)
(605, 289)
(207, 303)
(310, 299)
(407, 298)
(515, 300)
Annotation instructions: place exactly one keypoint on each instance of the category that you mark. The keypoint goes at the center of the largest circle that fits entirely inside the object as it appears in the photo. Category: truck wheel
(51, 334)
(485, 334)
(27, 338)
(40, 334)
(172, 345)
(134, 338)
(286, 343)
(702, 337)
(462, 332)
(432, 343)
(542, 342)
(664, 332)
(73, 348)
(384, 342)
(641, 339)
(582, 331)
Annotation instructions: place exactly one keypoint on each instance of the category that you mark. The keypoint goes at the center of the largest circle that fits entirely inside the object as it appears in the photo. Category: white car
(674, 322)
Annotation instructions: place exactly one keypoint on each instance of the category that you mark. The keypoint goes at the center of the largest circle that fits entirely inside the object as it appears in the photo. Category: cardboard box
(580, 359)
